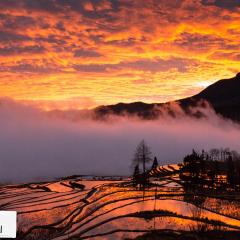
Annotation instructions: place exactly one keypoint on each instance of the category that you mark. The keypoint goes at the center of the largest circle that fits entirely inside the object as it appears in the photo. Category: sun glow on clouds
(203, 84)
(80, 54)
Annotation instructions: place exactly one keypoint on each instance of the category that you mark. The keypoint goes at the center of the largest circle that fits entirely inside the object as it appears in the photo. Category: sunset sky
(81, 54)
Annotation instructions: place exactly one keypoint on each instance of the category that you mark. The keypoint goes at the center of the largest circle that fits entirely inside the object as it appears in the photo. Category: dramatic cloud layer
(34, 147)
(108, 51)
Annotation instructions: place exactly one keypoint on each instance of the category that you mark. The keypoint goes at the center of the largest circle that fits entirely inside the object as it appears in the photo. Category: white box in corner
(8, 224)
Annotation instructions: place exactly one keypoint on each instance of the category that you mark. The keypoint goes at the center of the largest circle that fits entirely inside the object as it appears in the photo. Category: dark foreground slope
(223, 96)
(176, 235)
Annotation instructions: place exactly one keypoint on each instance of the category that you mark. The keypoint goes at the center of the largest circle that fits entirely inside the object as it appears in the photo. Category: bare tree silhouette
(142, 155)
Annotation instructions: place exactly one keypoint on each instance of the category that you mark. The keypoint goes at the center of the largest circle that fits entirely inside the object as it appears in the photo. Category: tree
(230, 171)
(192, 164)
(238, 173)
(155, 163)
(136, 171)
(136, 175)
(142, 155)
(214, 153)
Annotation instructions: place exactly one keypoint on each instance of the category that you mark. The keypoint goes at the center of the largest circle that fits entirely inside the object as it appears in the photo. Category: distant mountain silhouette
(144, 110)
(223, 96)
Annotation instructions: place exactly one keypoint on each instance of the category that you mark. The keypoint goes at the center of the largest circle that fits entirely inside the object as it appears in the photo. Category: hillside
(223, 96)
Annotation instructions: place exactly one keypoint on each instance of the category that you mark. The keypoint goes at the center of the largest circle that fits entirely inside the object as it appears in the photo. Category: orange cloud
(110, 51)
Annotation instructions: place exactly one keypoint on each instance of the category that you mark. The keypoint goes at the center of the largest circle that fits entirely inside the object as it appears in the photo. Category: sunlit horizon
(82, 54)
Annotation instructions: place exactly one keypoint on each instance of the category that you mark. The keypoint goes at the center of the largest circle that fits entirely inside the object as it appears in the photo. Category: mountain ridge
(223, 96)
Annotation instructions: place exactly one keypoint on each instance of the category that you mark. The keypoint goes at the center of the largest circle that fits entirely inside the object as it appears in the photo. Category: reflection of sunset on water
(119, 119)
(104, 205)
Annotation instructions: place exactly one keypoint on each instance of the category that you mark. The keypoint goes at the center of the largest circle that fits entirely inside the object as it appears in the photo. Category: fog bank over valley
(35, 146)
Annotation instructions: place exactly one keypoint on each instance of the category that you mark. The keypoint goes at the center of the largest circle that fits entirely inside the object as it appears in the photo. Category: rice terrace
(120, 119)
(196, 199)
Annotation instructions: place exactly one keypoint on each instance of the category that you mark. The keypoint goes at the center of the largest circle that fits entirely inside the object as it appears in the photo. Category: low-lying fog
(33, 146)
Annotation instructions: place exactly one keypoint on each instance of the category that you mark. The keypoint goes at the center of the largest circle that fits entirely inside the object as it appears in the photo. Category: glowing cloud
(56, 51)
